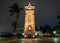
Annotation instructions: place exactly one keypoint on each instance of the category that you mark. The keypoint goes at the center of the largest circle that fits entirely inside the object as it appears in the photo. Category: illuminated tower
(29, 21)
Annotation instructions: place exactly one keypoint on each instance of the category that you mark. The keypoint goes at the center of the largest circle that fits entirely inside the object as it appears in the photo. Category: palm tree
(15, 9)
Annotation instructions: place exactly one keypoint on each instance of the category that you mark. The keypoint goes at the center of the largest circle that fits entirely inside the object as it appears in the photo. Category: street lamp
(54, 32)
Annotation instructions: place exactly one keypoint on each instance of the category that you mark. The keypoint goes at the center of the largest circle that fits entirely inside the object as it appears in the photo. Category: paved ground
(35, 40)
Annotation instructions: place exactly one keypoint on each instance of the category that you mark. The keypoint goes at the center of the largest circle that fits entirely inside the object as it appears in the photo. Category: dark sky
(46, 12)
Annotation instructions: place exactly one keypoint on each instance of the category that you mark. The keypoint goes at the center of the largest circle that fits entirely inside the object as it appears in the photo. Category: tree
(15, 25)
(57, 29)
(58, 17)
(47, 29)
(41, 28)
(15, 9)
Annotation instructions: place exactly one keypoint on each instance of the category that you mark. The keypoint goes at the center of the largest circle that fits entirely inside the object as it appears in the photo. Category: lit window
(29, 28)
(29, 8)
(29, 12)
(29, 17)
(29, 21)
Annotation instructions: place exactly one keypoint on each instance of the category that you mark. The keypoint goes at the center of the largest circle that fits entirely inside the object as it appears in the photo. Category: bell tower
(29, 27)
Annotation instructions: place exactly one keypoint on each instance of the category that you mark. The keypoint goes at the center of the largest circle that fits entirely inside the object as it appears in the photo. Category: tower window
(29, 12)
(29, 17)
(29, 28)
(29, 21)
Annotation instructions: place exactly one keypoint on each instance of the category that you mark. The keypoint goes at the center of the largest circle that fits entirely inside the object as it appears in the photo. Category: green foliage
(46, 29)
(41, 28)
(15, 9)
(57, 29)
(21, 29)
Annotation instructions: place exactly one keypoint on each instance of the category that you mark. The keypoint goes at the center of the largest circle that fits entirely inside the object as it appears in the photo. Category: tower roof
(29, 6)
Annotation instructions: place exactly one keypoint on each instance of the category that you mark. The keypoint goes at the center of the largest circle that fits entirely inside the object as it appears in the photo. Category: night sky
(46, 12)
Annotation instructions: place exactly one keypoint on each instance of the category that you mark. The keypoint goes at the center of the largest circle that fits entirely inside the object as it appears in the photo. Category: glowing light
(25, 36)
(29, 23)
(29, 28)
(55, 39)
(33, 36)
(25, 29)
(35, 33)
(54, 32)
(22, 33)
(29, 8)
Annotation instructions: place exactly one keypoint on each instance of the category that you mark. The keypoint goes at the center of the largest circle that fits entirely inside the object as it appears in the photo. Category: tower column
(29, 21)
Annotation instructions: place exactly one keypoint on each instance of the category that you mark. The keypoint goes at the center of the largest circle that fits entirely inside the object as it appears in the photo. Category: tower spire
(29, 4)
